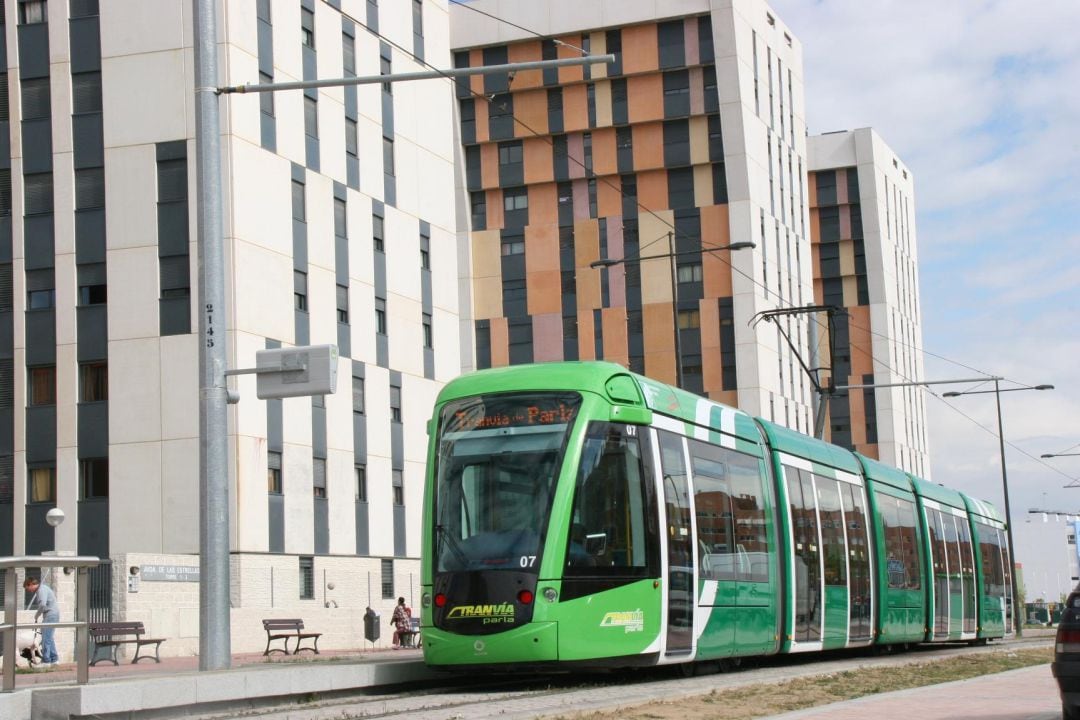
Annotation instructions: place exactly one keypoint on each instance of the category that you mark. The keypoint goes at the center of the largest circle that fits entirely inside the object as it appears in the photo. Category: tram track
(513, 697)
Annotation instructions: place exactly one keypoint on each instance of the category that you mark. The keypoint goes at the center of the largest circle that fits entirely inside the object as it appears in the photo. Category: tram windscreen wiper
(447, 539)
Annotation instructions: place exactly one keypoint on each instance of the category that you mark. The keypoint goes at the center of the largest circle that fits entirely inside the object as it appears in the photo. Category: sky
(981, 101)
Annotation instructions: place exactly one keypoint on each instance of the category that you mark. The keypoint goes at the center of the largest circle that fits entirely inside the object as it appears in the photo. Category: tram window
(498, 463)
(832, 531)
(730, 510)
(990, 553)
(607, 522)
(902, 555)
(908, 539)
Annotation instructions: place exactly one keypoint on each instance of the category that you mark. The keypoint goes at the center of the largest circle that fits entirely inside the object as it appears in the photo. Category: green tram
(579, 515)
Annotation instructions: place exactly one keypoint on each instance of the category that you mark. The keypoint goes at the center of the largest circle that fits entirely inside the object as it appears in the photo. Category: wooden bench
(108, 637)
(285, 630)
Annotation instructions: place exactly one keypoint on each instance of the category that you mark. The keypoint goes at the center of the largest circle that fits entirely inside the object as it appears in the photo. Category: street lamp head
(607, 262)
(1044, 387)
(739, 246)
(951, 394)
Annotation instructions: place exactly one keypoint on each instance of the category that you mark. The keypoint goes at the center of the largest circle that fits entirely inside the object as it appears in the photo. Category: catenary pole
(215, 652)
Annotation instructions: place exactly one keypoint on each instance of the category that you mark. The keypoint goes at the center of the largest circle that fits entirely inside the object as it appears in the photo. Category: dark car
(1066, 665)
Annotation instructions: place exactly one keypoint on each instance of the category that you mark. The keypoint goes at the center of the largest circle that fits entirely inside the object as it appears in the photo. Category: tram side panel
(829, 593)
(901, 578)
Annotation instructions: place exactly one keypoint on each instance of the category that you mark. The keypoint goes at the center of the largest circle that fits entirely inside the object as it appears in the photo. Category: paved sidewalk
(65, 674)
(1026, 694)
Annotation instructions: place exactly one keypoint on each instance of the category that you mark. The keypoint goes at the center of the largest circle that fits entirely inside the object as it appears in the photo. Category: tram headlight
(425, 600)
(550, 594)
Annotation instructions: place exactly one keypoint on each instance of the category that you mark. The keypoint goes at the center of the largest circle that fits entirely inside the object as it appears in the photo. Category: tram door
(680, 553)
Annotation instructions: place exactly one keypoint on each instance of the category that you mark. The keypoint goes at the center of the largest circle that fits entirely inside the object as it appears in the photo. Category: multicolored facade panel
(580, 164)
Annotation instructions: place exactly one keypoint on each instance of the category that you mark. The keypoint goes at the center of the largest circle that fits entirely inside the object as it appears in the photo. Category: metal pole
(423, 75)
(82, 632)
(214, 631)
(1018, 611)
(675, 311)
(817, 399)
(11, 617)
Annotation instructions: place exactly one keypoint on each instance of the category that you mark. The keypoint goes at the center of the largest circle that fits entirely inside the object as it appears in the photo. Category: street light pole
(672, 255)
(1018, 609)
(675, 309)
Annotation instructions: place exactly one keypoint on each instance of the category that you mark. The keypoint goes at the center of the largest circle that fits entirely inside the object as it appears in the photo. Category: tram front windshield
(497, 465)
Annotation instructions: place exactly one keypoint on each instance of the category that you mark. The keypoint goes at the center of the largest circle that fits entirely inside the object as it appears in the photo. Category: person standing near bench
(44, 602)
(401, 622)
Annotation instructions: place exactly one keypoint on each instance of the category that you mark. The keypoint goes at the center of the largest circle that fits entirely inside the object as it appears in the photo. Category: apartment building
(865, 258)
(340, 228)
(600, 198)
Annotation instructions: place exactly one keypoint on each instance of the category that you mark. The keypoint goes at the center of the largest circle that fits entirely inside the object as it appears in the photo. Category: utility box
(372, 628)
(296, 372)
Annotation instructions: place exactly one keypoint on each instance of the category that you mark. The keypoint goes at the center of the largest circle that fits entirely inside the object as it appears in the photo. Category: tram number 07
(527, 561)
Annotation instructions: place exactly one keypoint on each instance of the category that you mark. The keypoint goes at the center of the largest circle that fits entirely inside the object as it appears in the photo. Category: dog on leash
(27, 647)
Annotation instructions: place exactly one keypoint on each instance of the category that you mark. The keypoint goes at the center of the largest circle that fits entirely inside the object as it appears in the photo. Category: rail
(10, 626)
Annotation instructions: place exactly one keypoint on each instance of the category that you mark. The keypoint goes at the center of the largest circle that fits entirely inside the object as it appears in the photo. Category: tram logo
(500, 613)
(629, 620)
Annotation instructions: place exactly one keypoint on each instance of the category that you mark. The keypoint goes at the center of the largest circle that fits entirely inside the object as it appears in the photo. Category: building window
(395, 403)
(690, 273)
(478, 201)
(41, 299)
(341, 228)
(348, 52)
(358, 394)
(298, 201)
(32, 12)
(318, 477)
(388, 155)
(85, 93)
(360, 476)
(515, 199)
(266, 99)
(42, 485)
(351, 137)
(425, 259)
(300, 290)
(311, 116)
(388, 579)
(90, 188)
(36, 99)
(273, 473)
(93, 294)
(399, 487)
(384, 69)
(42, 385)
(510, 153)
(342, 304)
(83, 8)
(93, 382)
(514, 245)
(307, 28)
(689, 319)
(418, 21)
(94, 478)
(38, 189)
(380, 316)
(428, 337)
(307, 578)
(377, 233)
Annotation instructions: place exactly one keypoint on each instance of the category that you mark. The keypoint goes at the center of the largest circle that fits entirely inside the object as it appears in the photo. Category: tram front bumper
(537, 642)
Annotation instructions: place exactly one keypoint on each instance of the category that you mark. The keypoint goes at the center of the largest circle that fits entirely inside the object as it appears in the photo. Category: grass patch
(774, 698)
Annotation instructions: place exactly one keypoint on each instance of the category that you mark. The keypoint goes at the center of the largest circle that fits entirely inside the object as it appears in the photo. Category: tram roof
(795, 443)
(939, 493)
(982, 508)
(886, 474)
